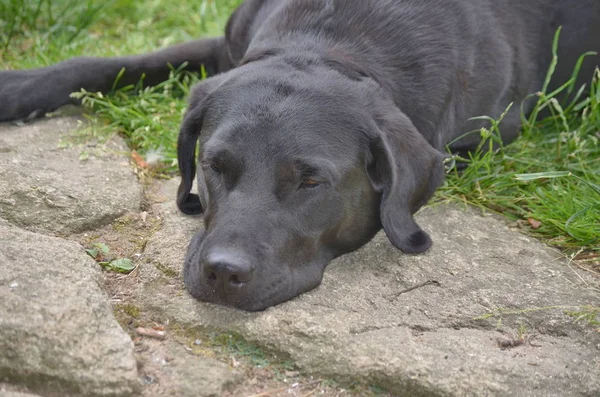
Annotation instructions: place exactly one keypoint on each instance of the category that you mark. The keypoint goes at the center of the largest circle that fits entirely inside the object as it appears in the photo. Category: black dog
(326, 121)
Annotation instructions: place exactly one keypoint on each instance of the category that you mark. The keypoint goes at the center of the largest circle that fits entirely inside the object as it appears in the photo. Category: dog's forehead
(264, 125)
(280, 141)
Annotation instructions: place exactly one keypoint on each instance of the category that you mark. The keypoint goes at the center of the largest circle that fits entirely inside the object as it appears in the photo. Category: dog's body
(326, 121)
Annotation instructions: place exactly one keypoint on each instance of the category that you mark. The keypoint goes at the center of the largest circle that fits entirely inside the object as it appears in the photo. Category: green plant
(98, 251)
(101, 254)
(148, 117)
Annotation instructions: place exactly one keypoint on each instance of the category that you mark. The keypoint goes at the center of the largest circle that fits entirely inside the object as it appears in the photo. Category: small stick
(151, 333)
(429, 282)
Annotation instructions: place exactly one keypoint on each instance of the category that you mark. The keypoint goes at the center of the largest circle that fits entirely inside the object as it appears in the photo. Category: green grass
(149, 117)
(36, 33)
(551, 174)
(563, 150)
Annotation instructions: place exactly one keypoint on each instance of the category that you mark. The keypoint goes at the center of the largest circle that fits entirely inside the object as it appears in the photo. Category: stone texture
(7, 390)
(57, 330)
(50, 184)
(200, 377)
(428, 341)
(16, 394)
(164, 252)
(183, 374)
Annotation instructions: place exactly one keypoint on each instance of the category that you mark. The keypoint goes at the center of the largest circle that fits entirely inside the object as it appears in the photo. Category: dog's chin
(270, 287)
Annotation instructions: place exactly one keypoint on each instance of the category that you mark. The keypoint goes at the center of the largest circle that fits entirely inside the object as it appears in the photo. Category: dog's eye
(309, 183)
(215, 168)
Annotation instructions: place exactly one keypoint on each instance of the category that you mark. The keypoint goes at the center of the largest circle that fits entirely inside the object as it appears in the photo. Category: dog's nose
(227, 271)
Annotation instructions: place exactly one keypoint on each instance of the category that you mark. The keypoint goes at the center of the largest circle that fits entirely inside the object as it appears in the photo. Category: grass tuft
(550, 175)
(149, 117)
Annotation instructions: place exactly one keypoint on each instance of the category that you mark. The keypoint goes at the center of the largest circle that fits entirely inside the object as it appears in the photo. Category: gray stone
(16, 394)
(7, 390)
(50, 184)
(434, 340)
(164, 253)
(57, 330)
(200, 377)
(177, 372)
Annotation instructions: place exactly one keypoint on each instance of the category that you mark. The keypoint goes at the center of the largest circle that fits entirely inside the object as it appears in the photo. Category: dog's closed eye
(212, 166)
(309, 183)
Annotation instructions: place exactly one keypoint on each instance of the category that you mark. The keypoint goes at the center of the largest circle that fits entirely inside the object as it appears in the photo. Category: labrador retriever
(326, 120)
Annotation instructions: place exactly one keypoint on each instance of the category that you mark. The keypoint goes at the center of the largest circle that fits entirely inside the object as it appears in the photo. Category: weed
(101, 254)
(588, 315)
(521, 331)
(119, 265)
(98, 251)
(585, 314)
(148, 117)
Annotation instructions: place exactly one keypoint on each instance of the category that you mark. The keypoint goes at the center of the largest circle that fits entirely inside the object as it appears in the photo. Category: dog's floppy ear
(406, 169)
(189, 133)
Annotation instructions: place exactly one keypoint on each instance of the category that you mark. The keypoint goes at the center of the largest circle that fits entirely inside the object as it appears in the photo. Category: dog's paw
(29, 94)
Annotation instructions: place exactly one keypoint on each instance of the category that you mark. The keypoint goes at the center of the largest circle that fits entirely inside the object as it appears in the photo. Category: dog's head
(296, 167)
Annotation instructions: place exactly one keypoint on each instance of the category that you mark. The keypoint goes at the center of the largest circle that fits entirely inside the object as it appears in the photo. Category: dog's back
(444, 61)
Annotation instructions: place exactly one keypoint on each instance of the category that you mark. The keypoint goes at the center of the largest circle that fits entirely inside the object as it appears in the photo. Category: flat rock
(165, 250)
(57, 329)
(7, 390)
(16, 394)
(48, 183)
(496, 287)
(196, 376)
(173, 371)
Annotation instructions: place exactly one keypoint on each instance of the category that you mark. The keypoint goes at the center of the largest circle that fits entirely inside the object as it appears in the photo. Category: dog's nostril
(227, 271)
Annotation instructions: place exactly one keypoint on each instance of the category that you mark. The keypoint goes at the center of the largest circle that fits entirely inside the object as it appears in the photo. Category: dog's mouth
(269, 284)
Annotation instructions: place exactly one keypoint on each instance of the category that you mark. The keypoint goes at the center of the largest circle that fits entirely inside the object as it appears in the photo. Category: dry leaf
(139, 160)
(507, 343)
(535, 224)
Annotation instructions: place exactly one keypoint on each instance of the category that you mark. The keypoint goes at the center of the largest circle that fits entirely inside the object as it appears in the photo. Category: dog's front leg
(32, 93)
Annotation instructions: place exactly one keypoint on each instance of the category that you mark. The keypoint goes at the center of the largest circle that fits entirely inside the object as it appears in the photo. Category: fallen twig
(151, 333)
(429, 282)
